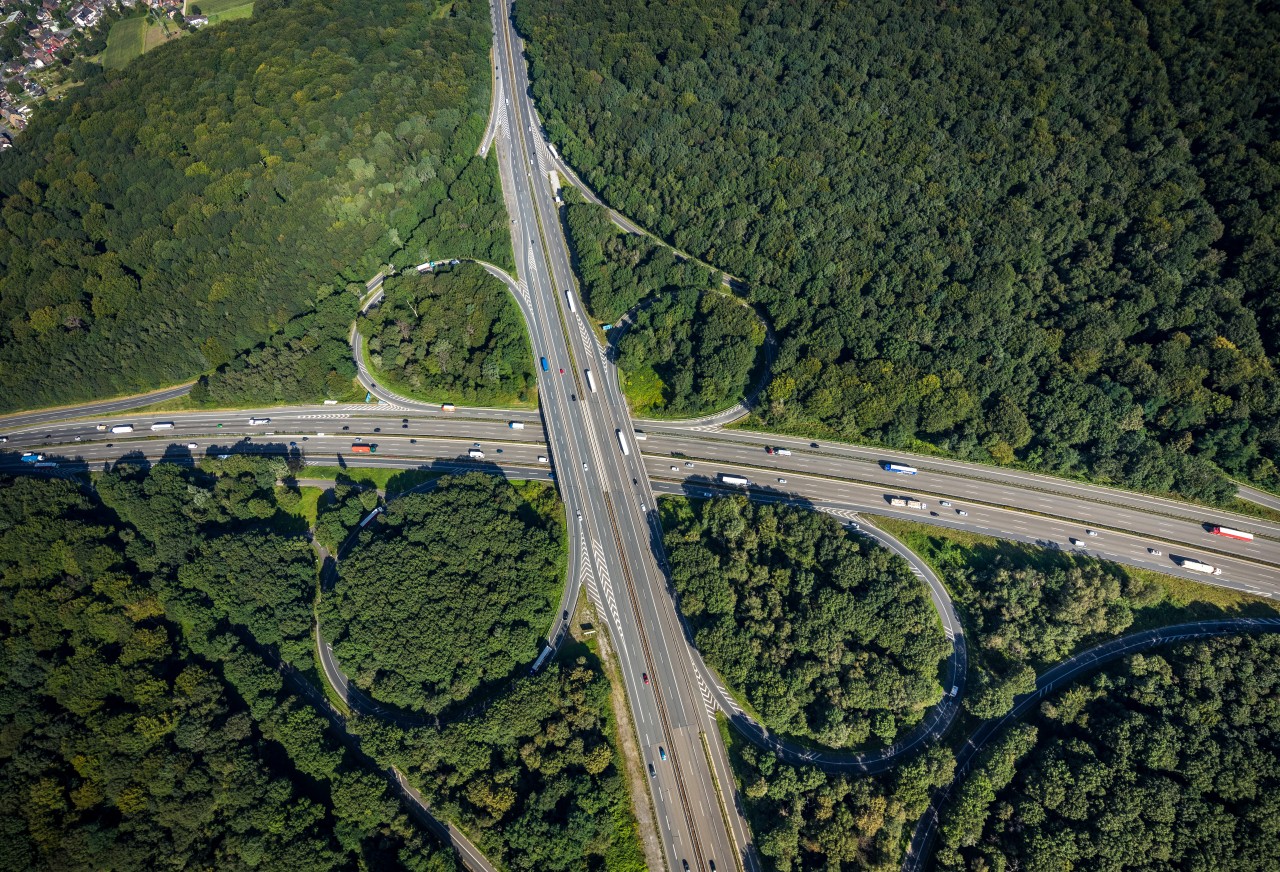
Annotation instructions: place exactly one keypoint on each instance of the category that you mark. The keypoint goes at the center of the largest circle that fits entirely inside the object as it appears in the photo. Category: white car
(1078, 542)
(944, 503)
(1155, 552)
(191, 446)
(782, 481)
(675, 469)
(962, 513)
(1092, 532)
(542, 458)
(688, 465)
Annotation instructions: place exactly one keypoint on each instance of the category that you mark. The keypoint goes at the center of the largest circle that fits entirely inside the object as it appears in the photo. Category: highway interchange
(610, 496)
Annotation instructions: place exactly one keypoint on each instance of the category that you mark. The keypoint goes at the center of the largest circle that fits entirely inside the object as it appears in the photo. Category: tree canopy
(450, 590)
(690, 347)
(1035, 233)
(141, 735)
(1169, 761)
(827, 636)
(167, 217)
(689, 353)
(454, 335)
(807, 820)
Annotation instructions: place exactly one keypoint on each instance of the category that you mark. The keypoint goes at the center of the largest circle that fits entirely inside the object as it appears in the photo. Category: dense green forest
(147, 724)
(141, 732)
(535, 777)
(618, 269)
(826, 636)
(806, 820)
(1037, 232)
(450, 590)
(309, 359)
(162, 219)
(1027, 608)
(691, 348)
(689, 353)
(455, 335)
(1169, 761)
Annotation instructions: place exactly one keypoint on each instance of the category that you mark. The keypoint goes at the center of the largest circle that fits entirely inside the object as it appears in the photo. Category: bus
(1231, 534)
(591, 382)
(622, 441)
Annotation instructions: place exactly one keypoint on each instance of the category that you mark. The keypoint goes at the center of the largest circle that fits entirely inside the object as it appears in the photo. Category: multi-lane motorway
(583, 436)
(613, 529)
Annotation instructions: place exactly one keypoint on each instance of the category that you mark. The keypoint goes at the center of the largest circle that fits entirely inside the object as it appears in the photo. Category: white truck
(622, 443)
(162, 425)
(1197, 566)
(735, 480)
(906, 502)
(475, 454)
(122, 428)
(591, 382)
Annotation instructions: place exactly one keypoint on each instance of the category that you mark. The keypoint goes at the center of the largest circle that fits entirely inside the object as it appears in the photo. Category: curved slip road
(918, 851)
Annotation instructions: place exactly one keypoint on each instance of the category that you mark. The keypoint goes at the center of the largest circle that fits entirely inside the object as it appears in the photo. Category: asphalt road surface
(1060, 675)
(614, 538)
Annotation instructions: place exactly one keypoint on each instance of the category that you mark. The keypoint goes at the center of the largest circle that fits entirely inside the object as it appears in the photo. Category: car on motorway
(191, 446)
(579, 515)
(782, 481)
(962, 513)
(688, 464)
(1155, 552)
(1092, 532)
(1079, 543)
(3, 439)
(645, 676)
(675, 469)
(662, 752)
(653, 773)
(584, 466)
(944, 503)
(344, 427)
(542, 458)
(78, 438)
(404, 426)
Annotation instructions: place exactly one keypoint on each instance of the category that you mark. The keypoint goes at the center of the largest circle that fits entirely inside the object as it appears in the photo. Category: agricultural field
(124, 42)
(219, 10)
